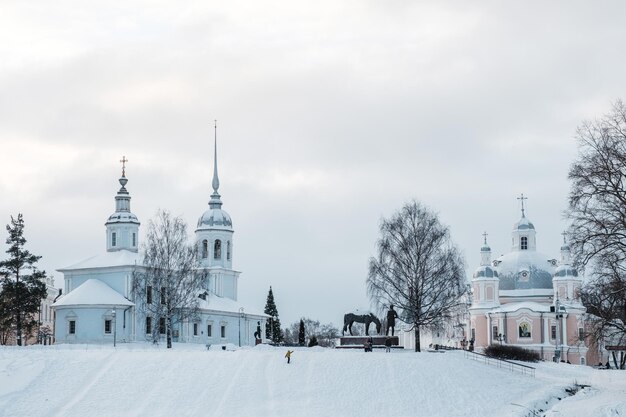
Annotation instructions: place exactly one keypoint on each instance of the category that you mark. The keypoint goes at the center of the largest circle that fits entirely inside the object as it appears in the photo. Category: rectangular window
(581, 334)
(72, 326)
(195, 329)
(473, 334)
(107, 326)
(223, 331)
(148, 325)
(553, 332)
(208, 330)
(149, 295)
(134, 239)
(524, 243)
(494, 334)
(162, 295)
(162, 325)
(113, 239)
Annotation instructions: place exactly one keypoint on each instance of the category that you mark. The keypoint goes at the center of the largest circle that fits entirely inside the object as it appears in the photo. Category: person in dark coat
(391, 320)
(388, 344)
(369, 344)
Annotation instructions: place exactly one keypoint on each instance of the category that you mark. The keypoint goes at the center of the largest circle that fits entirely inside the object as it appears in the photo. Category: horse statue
(366, 318)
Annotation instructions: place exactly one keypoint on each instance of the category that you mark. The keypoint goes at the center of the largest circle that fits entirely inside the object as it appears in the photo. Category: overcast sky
(331, 115)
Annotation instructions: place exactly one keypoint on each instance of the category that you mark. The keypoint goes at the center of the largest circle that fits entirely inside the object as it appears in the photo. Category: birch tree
(417, 269)
(168, 286)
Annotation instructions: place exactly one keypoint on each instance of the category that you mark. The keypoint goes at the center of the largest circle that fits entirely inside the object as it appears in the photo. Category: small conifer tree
(23, 285)
(301, 335)
(272, 327)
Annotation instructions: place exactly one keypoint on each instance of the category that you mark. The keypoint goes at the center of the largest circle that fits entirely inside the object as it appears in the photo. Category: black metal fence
(501, 363)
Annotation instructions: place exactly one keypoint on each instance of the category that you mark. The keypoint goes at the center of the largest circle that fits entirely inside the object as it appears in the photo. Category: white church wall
(89, 325)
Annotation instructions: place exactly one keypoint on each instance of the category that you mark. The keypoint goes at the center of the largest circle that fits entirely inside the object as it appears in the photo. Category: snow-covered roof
(531, 292)
(107, 259)
(215, 303)
(215, 218)
(485, 271)
(93, 292)
(524, 269)
(523, 224)
(512, 307)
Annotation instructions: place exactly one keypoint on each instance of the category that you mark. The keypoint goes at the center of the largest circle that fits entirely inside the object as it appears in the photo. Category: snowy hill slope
(139, 380)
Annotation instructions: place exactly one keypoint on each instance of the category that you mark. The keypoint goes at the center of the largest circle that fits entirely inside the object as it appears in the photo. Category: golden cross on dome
(123, 161)
(485, 236)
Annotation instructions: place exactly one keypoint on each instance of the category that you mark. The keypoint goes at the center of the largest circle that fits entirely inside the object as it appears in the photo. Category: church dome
(523, 224)
(524, 269)
(485, 271)
(122, 217)
(565, 271)
(215, 218)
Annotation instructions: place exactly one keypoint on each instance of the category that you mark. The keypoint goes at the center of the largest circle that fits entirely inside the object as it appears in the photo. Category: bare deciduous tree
(418, 269)
(597, 209)
(168, 286)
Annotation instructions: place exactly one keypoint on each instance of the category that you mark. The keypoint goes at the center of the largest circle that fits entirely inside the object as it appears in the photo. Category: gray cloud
(331, 115)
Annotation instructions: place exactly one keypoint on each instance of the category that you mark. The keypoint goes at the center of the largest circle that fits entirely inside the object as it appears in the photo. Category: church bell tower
(122, 226)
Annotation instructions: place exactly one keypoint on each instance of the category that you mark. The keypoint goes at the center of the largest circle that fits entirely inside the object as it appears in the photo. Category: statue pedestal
(357, 342)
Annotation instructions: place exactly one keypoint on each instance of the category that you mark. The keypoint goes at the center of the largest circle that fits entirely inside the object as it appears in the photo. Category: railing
(501, 363)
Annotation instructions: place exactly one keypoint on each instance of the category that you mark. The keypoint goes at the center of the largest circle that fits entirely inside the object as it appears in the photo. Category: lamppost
(240, 317)
(559, 326)
(113, 313)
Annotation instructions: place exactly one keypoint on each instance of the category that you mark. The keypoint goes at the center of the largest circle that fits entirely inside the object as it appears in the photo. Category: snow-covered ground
(142, 380)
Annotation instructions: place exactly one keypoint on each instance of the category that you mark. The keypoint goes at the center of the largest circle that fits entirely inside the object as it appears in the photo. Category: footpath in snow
(142, 380)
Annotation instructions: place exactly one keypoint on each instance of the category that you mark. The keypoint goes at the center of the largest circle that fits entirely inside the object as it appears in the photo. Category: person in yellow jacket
(288, 355)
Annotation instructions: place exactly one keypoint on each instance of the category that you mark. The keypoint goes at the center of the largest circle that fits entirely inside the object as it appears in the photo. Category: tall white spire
(216, 180)
(215, 201)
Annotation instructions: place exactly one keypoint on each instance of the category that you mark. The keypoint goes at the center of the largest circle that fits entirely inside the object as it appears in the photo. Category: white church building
(99, 305)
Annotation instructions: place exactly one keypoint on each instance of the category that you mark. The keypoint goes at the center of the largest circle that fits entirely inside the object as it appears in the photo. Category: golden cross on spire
(123, 161)
(522, 198)
(485, 236)
(564, 235)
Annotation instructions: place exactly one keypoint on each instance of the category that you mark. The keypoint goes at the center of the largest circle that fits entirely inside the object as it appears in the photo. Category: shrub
(313, 341)
(512, 353)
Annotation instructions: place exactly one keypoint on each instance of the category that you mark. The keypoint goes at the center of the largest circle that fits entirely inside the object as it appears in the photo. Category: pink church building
(527, 299)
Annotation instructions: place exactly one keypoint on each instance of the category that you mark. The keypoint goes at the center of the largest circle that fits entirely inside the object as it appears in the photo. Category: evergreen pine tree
(272, 327)
(22, 292)
(301, 335)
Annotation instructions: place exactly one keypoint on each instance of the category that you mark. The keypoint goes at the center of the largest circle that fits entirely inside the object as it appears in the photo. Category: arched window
(489, 293)
(217, 250)
(205, 248)
(228, 250)
(113, 239)
(523, 243)
(524, 330)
